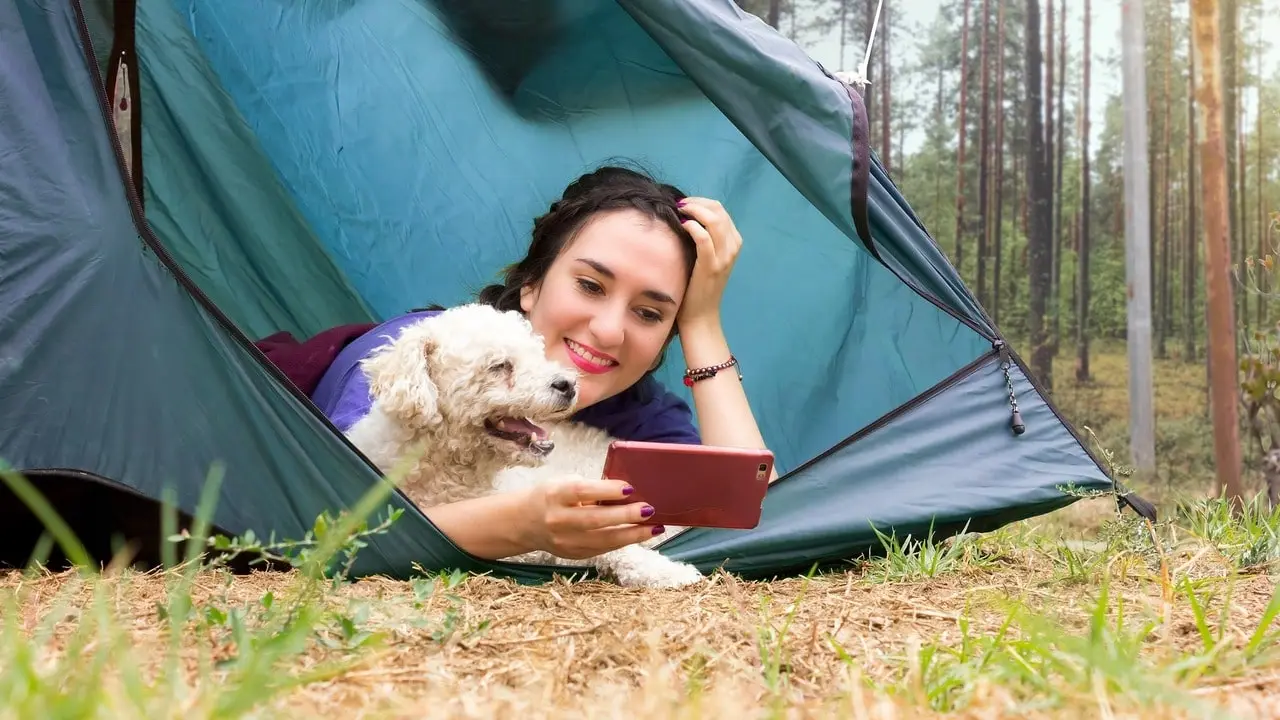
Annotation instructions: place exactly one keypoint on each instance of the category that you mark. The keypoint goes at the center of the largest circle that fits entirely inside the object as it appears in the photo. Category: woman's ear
(528, 295)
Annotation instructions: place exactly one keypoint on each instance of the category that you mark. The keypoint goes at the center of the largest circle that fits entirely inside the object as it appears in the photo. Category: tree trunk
(1227, 48)
(1259, 179)
(1054, 260)
(1060, 145)
(1038, 202)
(1048, 95)
(1189, 258)
(984, 151)
(937, 109)
(1155, 167)
(1173, 235)
(1166, 266)
(963, 89)
(1178, 229)
(1220, 318)
(1019, 186)
(998, 249)
(1082, 261)
(1241, 228)
(1242, 160)
(1024, 217)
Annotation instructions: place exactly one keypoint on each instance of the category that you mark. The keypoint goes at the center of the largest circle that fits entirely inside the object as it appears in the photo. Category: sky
(1105, 40)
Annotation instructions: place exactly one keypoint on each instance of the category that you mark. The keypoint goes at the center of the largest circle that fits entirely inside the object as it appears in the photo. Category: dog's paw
(639, 567)
(679, 575)
(665, 575)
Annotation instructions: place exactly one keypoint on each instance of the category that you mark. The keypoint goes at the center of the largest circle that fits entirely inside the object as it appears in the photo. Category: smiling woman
(615, 269)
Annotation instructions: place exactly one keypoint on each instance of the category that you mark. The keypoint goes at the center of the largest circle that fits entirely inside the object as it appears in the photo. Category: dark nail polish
(628, 490)
(658, 529)
(646, 511)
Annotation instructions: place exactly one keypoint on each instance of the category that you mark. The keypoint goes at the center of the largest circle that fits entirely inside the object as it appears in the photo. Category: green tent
(296, 166)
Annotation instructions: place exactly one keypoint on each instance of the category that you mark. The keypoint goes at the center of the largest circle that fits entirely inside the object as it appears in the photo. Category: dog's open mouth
(522, 432)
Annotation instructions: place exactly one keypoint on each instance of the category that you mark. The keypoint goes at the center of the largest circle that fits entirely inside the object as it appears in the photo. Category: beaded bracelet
(694, 375)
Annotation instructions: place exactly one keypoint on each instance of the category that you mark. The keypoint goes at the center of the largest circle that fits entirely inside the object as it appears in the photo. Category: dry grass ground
(1075, 614)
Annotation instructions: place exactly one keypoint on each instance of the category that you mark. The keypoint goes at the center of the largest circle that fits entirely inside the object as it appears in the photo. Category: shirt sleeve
(343, 392)
(353, 400)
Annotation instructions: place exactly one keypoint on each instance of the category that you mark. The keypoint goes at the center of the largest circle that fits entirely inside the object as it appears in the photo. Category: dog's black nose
(564, 386)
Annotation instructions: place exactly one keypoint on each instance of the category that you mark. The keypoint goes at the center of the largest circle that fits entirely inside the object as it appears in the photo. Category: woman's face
(607, 304)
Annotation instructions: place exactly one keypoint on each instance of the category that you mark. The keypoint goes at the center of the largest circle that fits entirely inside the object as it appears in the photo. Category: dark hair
(605, 189)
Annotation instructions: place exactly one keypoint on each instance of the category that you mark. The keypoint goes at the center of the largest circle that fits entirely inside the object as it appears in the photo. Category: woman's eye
(650, 316)
(500, 367)
(590, 286)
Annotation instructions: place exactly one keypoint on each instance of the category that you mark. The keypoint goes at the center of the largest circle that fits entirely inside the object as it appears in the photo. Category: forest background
(951, 119)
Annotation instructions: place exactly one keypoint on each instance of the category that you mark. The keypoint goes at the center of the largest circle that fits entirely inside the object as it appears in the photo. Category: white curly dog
(466, 403)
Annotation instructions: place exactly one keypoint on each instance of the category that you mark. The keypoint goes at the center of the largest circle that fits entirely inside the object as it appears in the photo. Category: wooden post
(1137, 231)
(1223, 380)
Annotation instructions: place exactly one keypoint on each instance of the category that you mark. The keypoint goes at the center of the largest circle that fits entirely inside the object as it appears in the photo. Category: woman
(616, 267)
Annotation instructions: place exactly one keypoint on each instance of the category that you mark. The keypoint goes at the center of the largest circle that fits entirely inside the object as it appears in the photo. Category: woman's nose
(608, 328)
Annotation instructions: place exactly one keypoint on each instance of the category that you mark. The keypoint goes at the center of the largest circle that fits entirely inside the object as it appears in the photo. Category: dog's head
(478, 375)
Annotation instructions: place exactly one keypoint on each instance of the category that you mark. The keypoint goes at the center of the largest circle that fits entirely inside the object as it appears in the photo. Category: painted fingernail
(681, 203)
(628, 490)
(658, 529)
(646, 511)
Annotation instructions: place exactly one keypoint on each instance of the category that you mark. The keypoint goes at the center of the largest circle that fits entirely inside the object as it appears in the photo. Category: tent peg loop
(1015, 422)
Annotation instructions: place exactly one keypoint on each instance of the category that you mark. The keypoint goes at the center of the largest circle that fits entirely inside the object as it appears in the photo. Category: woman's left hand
(718, 243)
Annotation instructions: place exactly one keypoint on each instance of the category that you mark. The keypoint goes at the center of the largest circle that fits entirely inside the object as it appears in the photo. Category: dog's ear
(400, 379)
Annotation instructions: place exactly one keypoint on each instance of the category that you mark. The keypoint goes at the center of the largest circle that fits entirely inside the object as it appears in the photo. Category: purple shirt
(645, 411)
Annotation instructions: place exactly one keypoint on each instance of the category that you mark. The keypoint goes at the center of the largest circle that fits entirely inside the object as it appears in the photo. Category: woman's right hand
(565, 518)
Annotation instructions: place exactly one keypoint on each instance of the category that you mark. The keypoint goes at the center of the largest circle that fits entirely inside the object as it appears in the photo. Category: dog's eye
(500, 367)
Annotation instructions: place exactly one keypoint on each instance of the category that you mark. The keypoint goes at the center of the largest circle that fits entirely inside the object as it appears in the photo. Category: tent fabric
(326, 163)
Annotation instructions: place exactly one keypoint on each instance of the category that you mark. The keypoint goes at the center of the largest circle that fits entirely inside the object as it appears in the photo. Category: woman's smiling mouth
(588, 360)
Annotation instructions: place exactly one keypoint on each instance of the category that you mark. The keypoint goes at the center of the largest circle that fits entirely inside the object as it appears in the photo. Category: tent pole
(1137, 237)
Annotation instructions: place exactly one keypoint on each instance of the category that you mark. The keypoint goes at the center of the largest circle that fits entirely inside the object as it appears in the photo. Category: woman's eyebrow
(655, 295)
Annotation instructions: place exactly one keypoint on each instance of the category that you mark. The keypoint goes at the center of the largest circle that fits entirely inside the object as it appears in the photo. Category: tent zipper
(1006, 363)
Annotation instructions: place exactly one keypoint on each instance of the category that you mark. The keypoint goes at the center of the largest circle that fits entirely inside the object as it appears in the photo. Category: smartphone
(693, 485)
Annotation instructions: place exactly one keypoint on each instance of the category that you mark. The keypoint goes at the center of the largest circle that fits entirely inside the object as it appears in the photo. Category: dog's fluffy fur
(466, 403)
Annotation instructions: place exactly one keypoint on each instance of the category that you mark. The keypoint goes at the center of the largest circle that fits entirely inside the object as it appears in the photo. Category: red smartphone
(693, 485)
